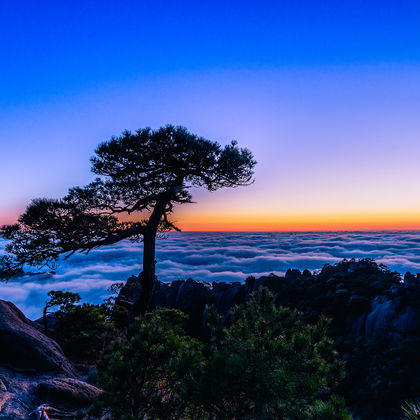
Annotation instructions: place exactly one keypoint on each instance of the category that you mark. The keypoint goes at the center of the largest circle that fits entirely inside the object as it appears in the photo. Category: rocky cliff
(36, 378)
(375, 322)
(362, 298)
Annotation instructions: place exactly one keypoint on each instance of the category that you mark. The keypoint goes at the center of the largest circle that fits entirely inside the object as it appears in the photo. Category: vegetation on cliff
(268, 353)
(268, 363)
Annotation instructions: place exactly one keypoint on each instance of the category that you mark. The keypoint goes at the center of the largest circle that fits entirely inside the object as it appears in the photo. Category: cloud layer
(213, 256)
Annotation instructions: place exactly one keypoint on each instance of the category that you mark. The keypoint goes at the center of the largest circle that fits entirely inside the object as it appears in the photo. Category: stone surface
(388, 316)
(55, 396)
(3, 387)
(24, 347)
(67, 391)
(392, 319)
(34, 371)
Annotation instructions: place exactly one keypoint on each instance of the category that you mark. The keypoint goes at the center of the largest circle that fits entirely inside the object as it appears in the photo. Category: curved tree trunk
(149, 262)
(149, 244)
(148, 274)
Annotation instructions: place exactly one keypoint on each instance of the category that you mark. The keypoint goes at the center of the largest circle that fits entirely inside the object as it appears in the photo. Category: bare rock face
(67, 391)
(4, 398)
(23, 347)
(393, 319)
(36, 378)
(42, 396)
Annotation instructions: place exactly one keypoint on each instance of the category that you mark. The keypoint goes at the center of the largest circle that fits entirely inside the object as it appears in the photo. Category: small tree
(64, 300)
(145, 377)
(142, 173)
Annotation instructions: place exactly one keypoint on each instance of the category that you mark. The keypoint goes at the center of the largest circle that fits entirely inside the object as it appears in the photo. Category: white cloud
(213, 257)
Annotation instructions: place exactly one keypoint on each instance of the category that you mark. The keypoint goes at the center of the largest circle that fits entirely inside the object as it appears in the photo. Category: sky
(325, 94)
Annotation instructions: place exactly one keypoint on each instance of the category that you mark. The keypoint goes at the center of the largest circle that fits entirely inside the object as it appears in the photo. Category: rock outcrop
(67, 391)
(36, 378)
(24, 347)
(363, 298)
(375, 323)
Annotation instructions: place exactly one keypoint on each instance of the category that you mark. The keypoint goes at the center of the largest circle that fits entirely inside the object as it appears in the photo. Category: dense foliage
(148, 375)
(381, 373)
(84, 330)
(411, 411)
(379, 377)
(262, 360)
(267, 364)
(64, 300)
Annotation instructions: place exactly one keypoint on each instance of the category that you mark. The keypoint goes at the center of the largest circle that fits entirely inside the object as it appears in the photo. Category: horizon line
(299, 231)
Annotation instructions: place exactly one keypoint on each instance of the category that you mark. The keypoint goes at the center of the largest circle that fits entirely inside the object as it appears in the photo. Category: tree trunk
(148, 274)
(149, 244)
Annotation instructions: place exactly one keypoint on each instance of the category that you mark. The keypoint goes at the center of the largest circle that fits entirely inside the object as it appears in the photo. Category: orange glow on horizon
(302, 222)
(218, 221)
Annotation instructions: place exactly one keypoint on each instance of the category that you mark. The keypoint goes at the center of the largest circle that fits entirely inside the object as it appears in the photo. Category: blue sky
(52, 49)
(326, 94)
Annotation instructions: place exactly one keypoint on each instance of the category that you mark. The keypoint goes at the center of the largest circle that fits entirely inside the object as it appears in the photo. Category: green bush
(267, 364)
(83, 331)
(64, 300)
(411, 411)
(379, 378)
(147, 376)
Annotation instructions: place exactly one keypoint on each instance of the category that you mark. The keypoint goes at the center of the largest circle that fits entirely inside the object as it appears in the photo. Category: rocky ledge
(36, 378)
(375, 323)
(361, 297)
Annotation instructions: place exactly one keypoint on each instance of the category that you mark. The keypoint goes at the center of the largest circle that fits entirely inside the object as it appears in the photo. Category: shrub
(270, 364)
(411, 411)
(146, 377)
(83, 331)
(64, 300)
(267, 364)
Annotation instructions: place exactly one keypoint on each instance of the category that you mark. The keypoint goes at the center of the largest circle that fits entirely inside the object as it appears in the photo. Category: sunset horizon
(329, 111)
(228, 222)
(210, 210)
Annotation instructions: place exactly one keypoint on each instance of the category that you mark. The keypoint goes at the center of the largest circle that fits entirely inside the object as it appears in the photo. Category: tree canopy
(143, 175)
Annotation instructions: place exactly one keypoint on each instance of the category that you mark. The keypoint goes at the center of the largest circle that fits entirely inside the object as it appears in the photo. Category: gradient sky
(326, 94)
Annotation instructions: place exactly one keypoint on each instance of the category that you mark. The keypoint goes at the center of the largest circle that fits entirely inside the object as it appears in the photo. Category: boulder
(10, 408)
(392, 319)
(260, 282)
(67, 391)
(342, 292)
(355, 326)
(411, 281)
(23, 347)
(293, 274)
(359, 303)
(192, 296)
(225, 296)
(3, 387)
(4, 398)
(42, 395)
(34, 371)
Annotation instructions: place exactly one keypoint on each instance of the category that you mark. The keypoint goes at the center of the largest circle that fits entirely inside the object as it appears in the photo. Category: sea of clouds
(212, 256)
